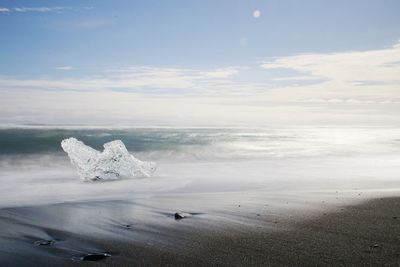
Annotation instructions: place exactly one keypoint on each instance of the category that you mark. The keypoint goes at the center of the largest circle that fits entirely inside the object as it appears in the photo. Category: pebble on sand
(181, 215)
(95, 257)
(44, 242)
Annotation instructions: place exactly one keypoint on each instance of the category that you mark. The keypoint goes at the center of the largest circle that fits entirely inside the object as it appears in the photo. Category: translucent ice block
(113, 163)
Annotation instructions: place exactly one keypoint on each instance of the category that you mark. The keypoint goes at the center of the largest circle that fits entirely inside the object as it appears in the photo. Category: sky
(200, 63)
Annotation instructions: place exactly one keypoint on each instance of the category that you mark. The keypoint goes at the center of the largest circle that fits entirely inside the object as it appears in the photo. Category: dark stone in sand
(44, 242)
(375, 246)
(180, 215)
(95, 257)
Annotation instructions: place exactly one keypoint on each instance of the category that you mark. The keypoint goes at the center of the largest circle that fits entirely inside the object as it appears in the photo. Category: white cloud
(295, 78)
(346, 68)
(221, 73)
(41, 9)
(350, 101)
(119, 108)
(357, 87)
(333, 75)
(65, 68)
(131, 79)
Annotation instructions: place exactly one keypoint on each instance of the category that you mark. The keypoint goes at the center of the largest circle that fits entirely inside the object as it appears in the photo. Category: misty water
(35, 170)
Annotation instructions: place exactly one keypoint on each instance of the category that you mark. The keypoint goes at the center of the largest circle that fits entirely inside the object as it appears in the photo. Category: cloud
(221, 73)
(132, 79)
(65, 68)
(351, 87)
(350, 101)
(43, 9)
(296, 78)
(361, 75)
(345, 68)
(118, 108)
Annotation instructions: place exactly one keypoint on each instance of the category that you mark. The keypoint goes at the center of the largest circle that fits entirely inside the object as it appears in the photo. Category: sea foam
(113, 163)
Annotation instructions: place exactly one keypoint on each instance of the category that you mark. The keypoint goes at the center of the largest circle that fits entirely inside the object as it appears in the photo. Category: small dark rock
(375, 246)
(128, 226)
(179, 216)
(44, 242)
(95, 257)
(394, 217)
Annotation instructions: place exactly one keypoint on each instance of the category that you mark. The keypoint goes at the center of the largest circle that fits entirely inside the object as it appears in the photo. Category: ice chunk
(113, 163)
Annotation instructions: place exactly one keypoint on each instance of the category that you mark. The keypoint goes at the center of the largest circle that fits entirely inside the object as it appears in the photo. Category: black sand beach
(199, 133)
(359, 235)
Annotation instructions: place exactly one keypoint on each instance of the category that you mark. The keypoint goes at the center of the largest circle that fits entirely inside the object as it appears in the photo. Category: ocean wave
(210, 144)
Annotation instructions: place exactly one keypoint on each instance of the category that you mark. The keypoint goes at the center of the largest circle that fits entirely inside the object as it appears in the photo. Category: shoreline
(367, 233)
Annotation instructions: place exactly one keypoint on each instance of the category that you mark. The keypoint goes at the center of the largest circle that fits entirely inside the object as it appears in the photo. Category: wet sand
(60, 235)
(366, 234)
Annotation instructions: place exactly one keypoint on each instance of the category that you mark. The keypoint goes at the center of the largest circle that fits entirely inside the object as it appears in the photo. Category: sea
(34, 170)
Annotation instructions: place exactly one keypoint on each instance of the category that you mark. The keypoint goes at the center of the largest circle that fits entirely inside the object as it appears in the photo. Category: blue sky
(182, 52)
